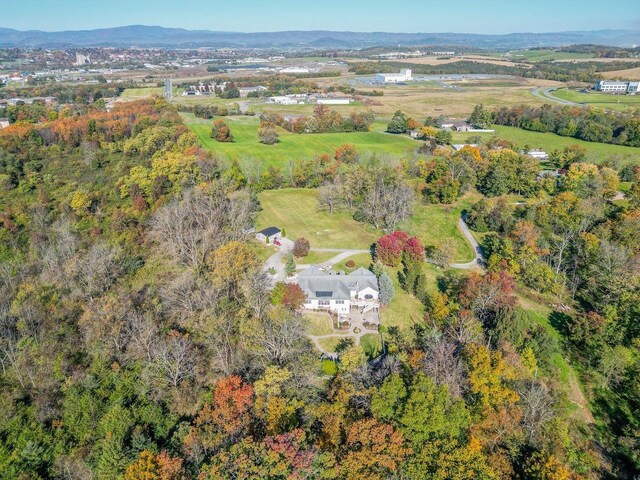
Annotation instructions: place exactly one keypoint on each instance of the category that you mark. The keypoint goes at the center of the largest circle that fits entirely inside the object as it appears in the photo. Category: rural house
(339, 292)
(269, 234)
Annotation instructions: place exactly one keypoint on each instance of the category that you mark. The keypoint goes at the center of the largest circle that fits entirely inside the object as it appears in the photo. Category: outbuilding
(269, 234)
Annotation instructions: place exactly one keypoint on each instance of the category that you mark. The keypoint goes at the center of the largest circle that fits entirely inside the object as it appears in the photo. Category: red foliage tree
(389, 250)
(294, 296)
(414, 250)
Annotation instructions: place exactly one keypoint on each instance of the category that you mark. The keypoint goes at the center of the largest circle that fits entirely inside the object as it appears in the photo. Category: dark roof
(267, 232)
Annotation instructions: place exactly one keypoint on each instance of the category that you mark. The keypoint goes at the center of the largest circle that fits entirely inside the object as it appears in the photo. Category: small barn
(268, 235)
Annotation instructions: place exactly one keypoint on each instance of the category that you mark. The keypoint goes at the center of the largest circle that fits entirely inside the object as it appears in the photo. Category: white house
(403, 76)
(269, 234)
(339, 292)
(4, 123)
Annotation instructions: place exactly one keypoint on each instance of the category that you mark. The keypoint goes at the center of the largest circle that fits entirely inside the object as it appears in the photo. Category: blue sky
(478, 16)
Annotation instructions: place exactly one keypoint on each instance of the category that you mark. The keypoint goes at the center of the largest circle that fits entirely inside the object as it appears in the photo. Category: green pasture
(597, 152)
(624, 103)
(293, 147)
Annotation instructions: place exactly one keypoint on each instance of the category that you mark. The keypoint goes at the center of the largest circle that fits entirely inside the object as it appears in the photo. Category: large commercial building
(606, 86)
(403, 76)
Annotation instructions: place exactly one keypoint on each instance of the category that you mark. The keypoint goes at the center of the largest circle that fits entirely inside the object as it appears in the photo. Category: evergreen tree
(290, 266)
(387, 291)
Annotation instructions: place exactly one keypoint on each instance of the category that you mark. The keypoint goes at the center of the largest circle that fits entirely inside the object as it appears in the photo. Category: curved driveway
(479, 261)
(545, 94)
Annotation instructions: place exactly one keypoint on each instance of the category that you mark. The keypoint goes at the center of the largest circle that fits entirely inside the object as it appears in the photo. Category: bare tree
(278, 337)
(257, 293)
(174, 360)
(142, 332)
(95, 271)
(187, 295)
(189, 228)
(388, 202)
(442, 364)
(330, 197)
(538, 407)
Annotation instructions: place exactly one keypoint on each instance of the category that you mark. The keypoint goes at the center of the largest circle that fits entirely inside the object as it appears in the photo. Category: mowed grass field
(597, 152)
(295, 210)
(293, 146)
(624, 103)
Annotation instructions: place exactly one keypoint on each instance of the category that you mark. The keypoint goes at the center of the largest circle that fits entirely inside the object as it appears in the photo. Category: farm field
(293, 146)
(142, 92)
(625, 103)
(597, 152)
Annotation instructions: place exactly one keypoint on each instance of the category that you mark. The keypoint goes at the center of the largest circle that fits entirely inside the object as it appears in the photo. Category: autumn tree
(373, 450)
(220, 131)
(301, 247)
(231, 264)
(267, 134)
(346, 153)
(155, 467)
(294, 297)
(223, 419)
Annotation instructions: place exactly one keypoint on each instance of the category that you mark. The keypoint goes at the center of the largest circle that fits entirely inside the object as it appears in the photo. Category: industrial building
(606, 86)
(403, 76)
(334, 101)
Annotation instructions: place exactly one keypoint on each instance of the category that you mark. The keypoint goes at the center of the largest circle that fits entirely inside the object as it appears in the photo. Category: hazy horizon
(252, 16)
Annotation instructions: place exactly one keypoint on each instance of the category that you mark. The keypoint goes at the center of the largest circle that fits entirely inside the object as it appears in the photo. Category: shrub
(350, 264)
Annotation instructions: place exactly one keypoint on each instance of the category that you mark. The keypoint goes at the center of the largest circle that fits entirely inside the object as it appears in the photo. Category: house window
(339, 302)
(324, 303)
(368, 296)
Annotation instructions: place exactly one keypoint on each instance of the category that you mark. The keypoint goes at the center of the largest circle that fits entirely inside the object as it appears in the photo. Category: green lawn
(597, 152)
(627, 103)
(329, 344)
(292, 146)
(315, 258)
(318, 324)
(295, 209)
(438, 223)
(261, 250)
(361, 260)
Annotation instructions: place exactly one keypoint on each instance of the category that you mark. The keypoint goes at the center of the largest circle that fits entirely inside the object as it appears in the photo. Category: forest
(550, 70)
(139, 337)
(586, 124)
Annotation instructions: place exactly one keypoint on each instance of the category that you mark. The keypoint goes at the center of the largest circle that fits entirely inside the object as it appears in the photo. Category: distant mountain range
(145, 36)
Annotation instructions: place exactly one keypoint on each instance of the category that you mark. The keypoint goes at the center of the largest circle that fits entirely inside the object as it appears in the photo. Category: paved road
(479, 261)
(545, 94)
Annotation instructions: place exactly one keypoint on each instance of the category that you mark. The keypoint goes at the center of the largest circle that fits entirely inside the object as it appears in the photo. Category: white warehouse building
(403, 76)
(334, 101)
(617, 87)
